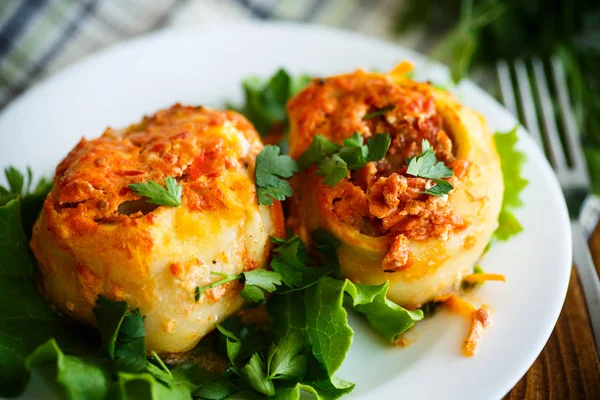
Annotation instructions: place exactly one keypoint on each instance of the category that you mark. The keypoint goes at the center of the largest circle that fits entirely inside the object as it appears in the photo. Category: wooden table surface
(568, 367)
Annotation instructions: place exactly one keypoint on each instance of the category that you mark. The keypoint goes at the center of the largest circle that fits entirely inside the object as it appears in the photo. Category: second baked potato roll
(392, 221)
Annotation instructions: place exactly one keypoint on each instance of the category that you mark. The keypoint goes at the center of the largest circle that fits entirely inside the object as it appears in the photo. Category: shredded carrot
(479, 278)
(480, 320)
(459, 306)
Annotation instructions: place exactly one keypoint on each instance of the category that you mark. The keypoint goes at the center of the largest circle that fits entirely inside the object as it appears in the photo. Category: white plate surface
(117, 86)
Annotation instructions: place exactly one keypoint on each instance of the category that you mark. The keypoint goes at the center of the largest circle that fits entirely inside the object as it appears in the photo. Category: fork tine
(527, 102)
(570, 126)
(506, 87)
(556, 153)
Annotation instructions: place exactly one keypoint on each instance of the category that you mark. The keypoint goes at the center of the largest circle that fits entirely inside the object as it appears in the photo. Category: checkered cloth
(39, 37)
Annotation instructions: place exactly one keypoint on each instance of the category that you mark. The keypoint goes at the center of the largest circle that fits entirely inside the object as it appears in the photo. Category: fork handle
(588, 278)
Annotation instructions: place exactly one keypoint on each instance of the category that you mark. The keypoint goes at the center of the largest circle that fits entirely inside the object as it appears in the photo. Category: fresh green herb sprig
(335, 161)
(156, 194)
(271, 168)
(427, 166)
(265, 99)
(256, 283)
(31, 196)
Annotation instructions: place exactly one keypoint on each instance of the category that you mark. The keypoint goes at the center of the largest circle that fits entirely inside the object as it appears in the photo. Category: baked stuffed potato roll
(96, 236)
(388, 227)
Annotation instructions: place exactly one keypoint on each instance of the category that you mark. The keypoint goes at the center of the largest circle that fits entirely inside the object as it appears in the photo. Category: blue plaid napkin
(39, 37)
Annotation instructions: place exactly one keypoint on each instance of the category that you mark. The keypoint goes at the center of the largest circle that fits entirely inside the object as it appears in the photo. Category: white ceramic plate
(117, 86)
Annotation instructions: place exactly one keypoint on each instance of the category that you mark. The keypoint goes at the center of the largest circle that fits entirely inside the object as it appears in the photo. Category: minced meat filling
(381, 198)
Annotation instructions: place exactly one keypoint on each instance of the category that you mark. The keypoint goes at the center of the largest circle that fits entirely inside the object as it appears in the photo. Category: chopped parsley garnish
(378, 146)
(225, 279)
(156, 194)
(256, 283)
(259, 281)
(271, 167)
(427, 166)
(334, 169)
(335, 161)
(318, 149)
(379, 112)
(290, 259)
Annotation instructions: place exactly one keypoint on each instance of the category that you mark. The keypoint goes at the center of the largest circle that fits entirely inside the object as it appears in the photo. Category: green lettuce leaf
(511, 161)
(327, 318)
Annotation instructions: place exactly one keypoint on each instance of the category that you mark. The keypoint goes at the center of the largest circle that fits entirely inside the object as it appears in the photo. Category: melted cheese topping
(96, 237)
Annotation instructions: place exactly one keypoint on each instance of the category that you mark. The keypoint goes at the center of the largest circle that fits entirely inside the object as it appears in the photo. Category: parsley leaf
(31, 200)
(232, 343)
(226, 278)
(259, 281)
(427, 166)
(156, 194)
(289, 260)
(441, 188)
(285, 360)
(270, 168)
(123, 334)
(266, 100)
(378, 146)
(379, 112)
(317, 150)
(334, 169)
(217, 390)
(355, 157)
(255, 375)
(256, 282)
(335, 161)
(15, 179)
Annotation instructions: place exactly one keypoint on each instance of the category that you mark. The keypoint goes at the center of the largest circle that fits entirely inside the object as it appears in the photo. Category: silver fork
(573, 178)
